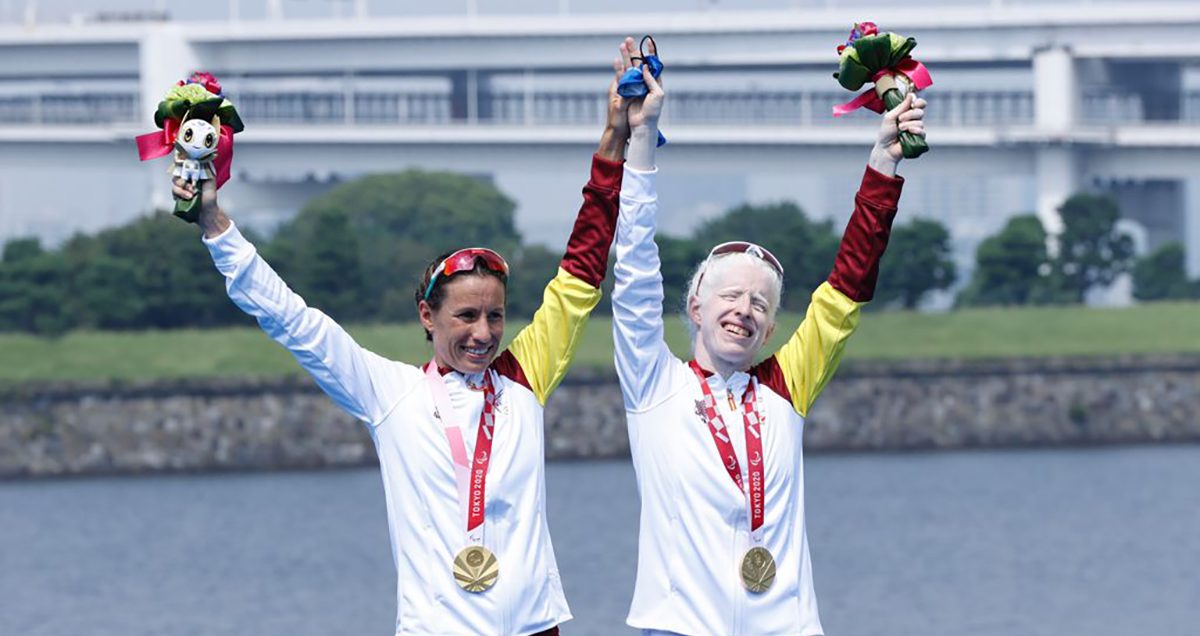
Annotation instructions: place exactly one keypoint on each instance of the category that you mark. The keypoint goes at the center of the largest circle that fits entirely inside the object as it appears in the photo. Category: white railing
(409, 108)
(344, 108)
(93, 108)
(1107, 106)
(565, 108)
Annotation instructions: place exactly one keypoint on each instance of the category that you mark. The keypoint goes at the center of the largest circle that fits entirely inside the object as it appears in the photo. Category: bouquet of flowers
(883, 59)
(197, 122)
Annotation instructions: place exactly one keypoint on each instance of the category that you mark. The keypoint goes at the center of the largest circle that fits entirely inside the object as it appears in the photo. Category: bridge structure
(1030, 104)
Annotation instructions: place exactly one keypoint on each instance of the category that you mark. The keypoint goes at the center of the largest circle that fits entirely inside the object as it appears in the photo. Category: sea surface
(1005, 543)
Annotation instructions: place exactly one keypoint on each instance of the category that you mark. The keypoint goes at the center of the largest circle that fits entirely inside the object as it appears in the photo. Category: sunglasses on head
(744, 247)
(464, 261)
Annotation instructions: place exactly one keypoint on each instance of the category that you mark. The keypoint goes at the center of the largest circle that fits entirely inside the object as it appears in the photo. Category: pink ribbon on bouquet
(910, 68)
(161, 143)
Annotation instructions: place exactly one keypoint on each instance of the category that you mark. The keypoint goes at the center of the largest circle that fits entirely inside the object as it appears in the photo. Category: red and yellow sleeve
(802, 368)
(541, 354)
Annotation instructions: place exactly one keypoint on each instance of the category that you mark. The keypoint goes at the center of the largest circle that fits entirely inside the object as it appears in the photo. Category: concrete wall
(275, 424)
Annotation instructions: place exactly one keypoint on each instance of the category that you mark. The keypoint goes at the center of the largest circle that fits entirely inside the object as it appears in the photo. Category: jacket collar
(736, 383)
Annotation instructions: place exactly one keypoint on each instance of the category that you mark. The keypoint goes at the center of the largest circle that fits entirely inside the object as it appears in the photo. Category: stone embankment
(70, 429)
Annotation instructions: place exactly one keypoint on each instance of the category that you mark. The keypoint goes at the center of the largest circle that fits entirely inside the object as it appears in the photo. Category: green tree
(805, 248)
(399, 221)
(1091, 251)
(22, 249)
(1160, 275)
(531, 268)
(101, 293)
(679, 257)
(917, 261)
(1009, 265)
(328, 272)
(31, 289)
(153, 272)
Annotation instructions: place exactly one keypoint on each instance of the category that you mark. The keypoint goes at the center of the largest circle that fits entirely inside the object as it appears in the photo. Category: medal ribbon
(470, 475)
(754, 447)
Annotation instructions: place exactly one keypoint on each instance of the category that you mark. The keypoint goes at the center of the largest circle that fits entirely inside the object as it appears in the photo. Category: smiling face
(733, 312)
(468, 324)
(197, 139)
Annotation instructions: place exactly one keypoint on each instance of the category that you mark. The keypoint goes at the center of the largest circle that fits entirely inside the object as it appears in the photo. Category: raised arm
(360, 382)
(809, 359)
(541, 353)
(637, 303)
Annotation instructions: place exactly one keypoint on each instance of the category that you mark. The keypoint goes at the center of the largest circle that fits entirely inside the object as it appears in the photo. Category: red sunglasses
(742, 247)
(464, 261)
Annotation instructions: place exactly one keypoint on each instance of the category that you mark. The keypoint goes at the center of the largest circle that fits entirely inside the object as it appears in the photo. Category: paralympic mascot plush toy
(198, 124)
(882, 59)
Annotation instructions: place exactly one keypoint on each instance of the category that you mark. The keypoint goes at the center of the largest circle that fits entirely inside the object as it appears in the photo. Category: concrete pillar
(1056, 105)
(165, 56)
(1191, 227)
(1057, 178)
(1056, 95)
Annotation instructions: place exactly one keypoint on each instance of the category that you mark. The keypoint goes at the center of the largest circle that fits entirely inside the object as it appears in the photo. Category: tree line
(1021, 265)
(357, 252)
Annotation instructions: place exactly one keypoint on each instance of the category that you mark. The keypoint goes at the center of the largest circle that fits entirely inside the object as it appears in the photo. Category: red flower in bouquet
(861, 29)
(207, 80)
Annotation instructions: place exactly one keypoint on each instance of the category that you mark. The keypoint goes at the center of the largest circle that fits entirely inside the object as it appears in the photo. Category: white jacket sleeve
(642, 357)
(362, 383)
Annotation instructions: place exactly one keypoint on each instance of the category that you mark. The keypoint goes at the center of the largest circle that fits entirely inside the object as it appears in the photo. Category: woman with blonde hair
(716, 441)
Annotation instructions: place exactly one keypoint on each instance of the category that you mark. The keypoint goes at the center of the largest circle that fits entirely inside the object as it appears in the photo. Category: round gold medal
(758, 569)
(476, 569)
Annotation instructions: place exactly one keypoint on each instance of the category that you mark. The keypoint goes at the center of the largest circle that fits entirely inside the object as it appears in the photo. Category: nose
(480, 331)
(742, 306)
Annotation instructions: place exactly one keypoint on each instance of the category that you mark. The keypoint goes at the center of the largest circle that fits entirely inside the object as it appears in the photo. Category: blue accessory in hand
(631, 84)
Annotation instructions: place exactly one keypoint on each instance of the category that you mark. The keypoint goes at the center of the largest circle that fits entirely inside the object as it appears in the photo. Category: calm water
(975, 543)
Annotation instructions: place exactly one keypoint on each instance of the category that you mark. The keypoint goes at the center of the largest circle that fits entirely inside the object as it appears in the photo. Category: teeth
(736, 330)
(477, 351)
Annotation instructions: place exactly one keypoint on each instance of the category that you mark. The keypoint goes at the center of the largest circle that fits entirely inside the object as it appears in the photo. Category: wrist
(213, 223)
(643, 142)
(648, 129)
(612, 144)
(882, 161)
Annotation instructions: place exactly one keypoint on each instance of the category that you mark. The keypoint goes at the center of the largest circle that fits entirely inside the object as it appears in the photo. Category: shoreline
(372, 466)
(176, 426)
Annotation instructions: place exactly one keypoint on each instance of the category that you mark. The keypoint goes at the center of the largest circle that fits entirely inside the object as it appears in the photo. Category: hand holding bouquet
(883, 59)
(198, 124)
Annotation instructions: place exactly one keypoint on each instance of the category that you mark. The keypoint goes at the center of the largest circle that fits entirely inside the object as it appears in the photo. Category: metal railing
(408, 108)
(1104, 106)
(103, 108)
(568, 108)
(337, 108)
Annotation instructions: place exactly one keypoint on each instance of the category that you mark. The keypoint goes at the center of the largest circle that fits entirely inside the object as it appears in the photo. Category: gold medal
(476, 569)
(758, 569)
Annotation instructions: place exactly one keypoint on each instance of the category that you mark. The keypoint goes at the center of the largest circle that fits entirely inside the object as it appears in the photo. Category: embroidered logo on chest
(499, 404)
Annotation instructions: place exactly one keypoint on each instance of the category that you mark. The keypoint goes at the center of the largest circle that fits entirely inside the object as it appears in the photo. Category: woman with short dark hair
(459, 439)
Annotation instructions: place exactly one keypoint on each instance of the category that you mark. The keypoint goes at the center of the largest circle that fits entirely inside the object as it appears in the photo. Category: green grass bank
(966, 334)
